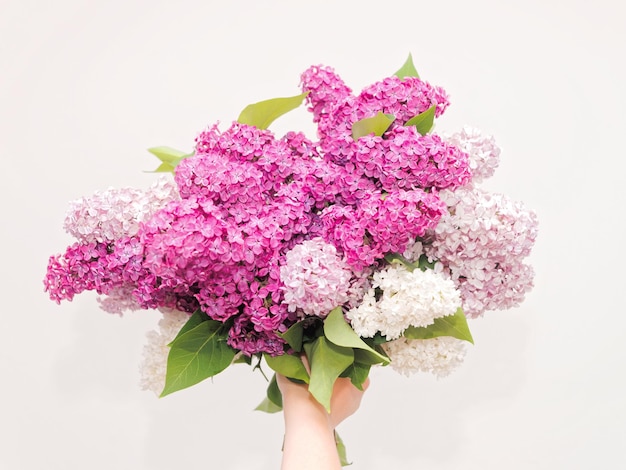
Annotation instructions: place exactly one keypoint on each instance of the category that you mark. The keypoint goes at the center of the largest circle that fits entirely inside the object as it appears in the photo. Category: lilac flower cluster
(484, 154)
(400, 158)
(115, 213)
(315, 279)
(482, 242)
(259, 230)
(483, 239)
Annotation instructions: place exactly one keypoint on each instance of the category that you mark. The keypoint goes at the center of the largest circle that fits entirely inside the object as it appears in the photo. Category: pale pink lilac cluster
(315, 278)
(483, 152)
(482, 243)
(115, 213)
(259, 230)
(406, 298)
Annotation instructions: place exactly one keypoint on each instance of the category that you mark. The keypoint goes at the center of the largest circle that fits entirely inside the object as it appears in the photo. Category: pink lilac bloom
(404, 98)
(239, 142)
(482, 241)
(401, 157)
(260, 229)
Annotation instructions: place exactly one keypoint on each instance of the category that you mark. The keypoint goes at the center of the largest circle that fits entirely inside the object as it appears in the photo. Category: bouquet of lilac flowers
(372, 245)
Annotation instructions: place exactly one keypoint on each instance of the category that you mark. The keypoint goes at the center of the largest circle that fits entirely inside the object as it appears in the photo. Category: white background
(86, 87)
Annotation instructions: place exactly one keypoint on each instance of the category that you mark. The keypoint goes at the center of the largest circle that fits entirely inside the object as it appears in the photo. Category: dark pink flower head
(404, 98)
(326, 90)
(401, 157)
(399, 218)
(245, 338)
(225, 182)
(239, 142)
(410, 160)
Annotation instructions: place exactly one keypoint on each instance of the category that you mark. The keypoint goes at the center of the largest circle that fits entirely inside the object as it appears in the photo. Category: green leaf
(273, 401)
(198, 354)
(288, 365)
(366, 357)
(263, 113)
(273, 393)
(407, 69)
(451, 325)
(341, 450)
(424, 264)
(163, 168)
(423, 122)
(376, 125)
(293, 336)
(327, 362)
(339, 332)
(195, 319)
(169, 156)
(241, 358)
(397, 258)
(377, 339)
(357, 372)
(268, 406)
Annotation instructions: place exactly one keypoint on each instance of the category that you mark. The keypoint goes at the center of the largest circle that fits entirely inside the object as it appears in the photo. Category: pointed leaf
(163, 168)
(273, 401)
(263, 113)
(357, 372)
(198, 354)
(424, 264)
(376, 125)
(399, 259)
(273, 393)
(341, 450)
(407, 69)
(168, 154)
(366, 357)
(268, 406)
(288, 365)
(339, 332)
(241, 358)
(293, 336)
(195, 319)
(423, 122)
(327, 362)
(451, 325)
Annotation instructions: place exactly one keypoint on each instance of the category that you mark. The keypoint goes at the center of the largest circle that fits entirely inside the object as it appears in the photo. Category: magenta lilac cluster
(248, 197)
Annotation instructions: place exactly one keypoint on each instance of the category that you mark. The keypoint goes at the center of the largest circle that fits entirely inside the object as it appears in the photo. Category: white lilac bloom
(440, 355)
(484, 154)
(156, 350)
(408, 298)
(115, 213)
(315, 278)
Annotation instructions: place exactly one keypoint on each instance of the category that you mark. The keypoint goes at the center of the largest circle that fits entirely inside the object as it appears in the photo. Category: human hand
(345, 399)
